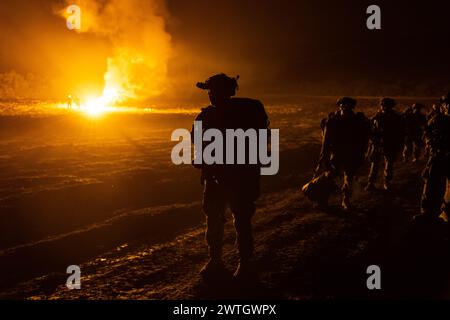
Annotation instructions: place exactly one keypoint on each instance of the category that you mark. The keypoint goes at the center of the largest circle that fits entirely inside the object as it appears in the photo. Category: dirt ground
(301, 253)
(104, 196)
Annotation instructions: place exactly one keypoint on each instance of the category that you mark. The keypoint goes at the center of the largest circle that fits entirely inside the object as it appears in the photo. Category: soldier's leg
(389, 161)
(417, 148)
(407, 150)
(243, 210)
(373, 173)
(214, 205)
(347, 188)
(434, 188)
(243, 207)
(446, 206)
(427, 149)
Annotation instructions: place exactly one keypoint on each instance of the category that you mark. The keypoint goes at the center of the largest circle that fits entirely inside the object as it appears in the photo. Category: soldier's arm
(324, 158)
(323, 123)
(374, 131)
(428, 132)
(326, 143)
(263, 118)
(192, 132)
(264, 123)
(200, 117)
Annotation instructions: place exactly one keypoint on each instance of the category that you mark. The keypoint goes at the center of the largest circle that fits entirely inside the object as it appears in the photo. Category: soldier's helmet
(446, 99)
(388, 102)
(220, 83)
(346, 102)
(418, 106)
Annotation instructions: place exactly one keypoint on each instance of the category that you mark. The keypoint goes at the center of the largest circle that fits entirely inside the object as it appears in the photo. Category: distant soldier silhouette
(234, 186)
(387, 142)
(344, 145)
(437, 172)
(415, 122)
(69, 102)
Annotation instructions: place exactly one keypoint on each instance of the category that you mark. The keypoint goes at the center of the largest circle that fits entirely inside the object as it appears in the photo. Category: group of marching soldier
(349, 138)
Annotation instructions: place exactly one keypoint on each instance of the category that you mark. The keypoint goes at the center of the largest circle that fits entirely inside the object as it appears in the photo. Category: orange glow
(136, 64)
(96, 107)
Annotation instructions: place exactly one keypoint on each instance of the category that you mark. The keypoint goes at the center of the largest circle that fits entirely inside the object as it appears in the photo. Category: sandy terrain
(108, 199)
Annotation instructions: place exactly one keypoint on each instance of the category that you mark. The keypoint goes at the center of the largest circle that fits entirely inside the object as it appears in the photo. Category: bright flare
(98, 106)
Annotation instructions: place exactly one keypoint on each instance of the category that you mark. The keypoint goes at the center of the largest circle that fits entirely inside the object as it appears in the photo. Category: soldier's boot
(426, 218)
(245, 271)
(214, 268)
(345, 203)
(445, 214)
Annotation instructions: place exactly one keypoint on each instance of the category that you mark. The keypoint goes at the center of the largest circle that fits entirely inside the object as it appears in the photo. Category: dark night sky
(297, 41)
(276, 46)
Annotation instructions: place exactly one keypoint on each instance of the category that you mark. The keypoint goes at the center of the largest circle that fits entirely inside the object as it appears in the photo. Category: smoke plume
(137, 68)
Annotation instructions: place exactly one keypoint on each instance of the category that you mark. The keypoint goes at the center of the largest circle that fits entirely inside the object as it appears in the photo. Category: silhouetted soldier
(69, 102)
(415, 122)
(435, 109)
(387, 142)
(234, 186)
(437, 172)
(345, 139)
